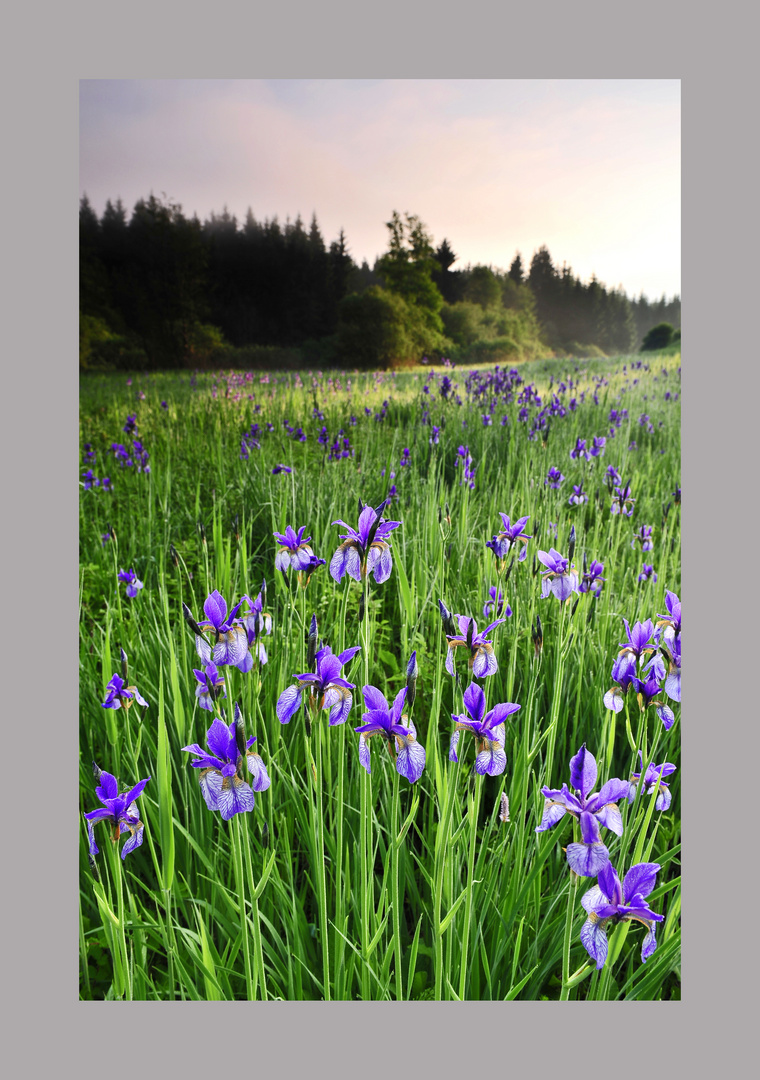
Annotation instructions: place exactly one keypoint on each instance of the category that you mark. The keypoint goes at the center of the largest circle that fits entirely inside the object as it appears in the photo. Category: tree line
(159, 289)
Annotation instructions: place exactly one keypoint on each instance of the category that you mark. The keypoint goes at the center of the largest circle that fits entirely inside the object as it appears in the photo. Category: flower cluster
(221, 768)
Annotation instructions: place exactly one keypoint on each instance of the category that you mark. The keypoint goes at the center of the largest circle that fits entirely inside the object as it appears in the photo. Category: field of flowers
(380, 684)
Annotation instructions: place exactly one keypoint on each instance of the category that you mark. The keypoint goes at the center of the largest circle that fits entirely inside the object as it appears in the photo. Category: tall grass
(343, 885)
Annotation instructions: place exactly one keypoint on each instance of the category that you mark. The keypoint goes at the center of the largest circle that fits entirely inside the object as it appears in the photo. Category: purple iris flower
(579, 496)
(554, 478)
(597, 446)
(130, 579)
(672, 621)
(210, 682)
(640, 639)
(647, 691)
(647, 573)
(327, 689)
(231, 642)
(482, 659)
(613, 476)
(592, 811)
(643, 536)
(488, 729)
(592, 579)
(498, 602)
(116, 811)
(653, 773)
(559, 577)
(503, 541)
(672, 650)
(365, 550)
(622, 503)
(294, 551)
(222, 784)
(434, 436)
(119, 696)
(281, 468)
(579, 450)
(623, 673)
(382, 719)
(609, 901)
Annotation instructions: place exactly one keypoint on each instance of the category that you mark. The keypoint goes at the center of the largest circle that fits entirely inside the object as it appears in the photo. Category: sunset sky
(591, 168)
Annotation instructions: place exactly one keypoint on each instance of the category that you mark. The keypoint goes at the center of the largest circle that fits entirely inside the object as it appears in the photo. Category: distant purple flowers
(498, 602)
(129, 578)
(559, 578)
(643, 536)
(554, 478)
(464, 458)
(401, 739)
(510, 534)
(119, 696)
(365, 550)
(647, 573)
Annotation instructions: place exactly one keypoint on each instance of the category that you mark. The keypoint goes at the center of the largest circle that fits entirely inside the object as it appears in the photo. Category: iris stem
(572, 890)
(250, 986)
(441, 849)
(319, 846)
(257, 942)
(396, 898)
(474, 806)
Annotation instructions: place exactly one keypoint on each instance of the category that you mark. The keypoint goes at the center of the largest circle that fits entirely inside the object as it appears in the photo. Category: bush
(378, 328)
(659, 337)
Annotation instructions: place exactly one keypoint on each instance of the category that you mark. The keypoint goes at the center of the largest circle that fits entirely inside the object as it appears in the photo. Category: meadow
(284, 869)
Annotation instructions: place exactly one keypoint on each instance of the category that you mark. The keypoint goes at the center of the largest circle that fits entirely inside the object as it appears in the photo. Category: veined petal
(246, 663)
(612, 791)
(373, 699)
(475, 701)
(485, 662)
(364, 753)
(94, 850)
(215, 608)
(649, 943)
(135, 839)
(342, 707)
(453, 745)
(589, 828)
(583, 771)
(491, 762)
(384, 564)
(593, 899)
(594, 940)
(258, 771)
(640, 879)
(587, 860)
(609, 817)
(282, 560)
(235, 797)
(231, 647)
(288, 703)
(552, 814)
(665, 714)
(211, 784)
(107, 788)
(410, 760)
(218, 738)
(613, 699)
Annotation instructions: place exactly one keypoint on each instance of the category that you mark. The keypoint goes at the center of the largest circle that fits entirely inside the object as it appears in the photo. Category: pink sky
(591, 168)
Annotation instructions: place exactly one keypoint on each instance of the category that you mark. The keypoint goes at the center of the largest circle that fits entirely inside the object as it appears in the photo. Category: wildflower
(579, 496)
(447, 619)
(366, 550)
(231, 642)
(554, 478)
(622, 502)
(119, 696)
(579, 450)
(640, 639)
(164, 405)
(468, 469)
(646, 692)
(130, 580)
(510, 534)
(281, 468)
(643, 536)
(672, 650)
(222, 784)
(294, 552)
(609, 901)
(592, 811)
(597, 446)
(488, 729)
(623, 673)
(592, 578)
(559, 577)
(482, 660)
(613, 476)
(401, 738)
(498, 602)
(672, 621)
(116, 810)
(327, 689)
(210, 682)
(647, 573)
(652, 775)
(434, 435)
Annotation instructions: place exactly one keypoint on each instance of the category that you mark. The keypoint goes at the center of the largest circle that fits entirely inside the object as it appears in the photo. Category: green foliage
(659, 337)
(378, 328)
